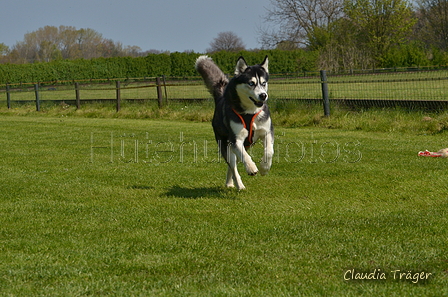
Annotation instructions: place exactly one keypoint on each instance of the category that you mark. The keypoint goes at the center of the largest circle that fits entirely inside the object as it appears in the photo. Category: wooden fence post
(36, 91)
(8, 96)
(164, 86)
(325, 96)
(118, 95)
(159, 92)
(78, 98)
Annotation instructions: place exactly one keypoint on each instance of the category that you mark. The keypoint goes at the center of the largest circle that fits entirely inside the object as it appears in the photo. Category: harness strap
(249, 140)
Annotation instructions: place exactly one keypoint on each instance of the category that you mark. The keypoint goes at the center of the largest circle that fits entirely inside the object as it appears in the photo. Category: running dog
(241, 115)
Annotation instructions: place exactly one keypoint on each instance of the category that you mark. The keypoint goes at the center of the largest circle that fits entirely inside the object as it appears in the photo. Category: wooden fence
(77, 94)
(412, 90)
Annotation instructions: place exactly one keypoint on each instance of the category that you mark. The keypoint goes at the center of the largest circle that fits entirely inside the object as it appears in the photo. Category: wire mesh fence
(410, 89)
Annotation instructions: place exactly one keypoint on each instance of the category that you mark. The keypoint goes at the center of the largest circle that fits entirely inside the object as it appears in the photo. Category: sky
(165, 25)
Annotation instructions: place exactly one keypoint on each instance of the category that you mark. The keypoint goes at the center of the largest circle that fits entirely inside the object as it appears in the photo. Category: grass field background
(137, 207)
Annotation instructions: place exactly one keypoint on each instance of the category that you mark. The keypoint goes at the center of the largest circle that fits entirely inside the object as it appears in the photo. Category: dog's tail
(214, 79)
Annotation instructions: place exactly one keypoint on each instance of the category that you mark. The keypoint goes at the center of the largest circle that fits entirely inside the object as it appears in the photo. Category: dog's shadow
(204, 192)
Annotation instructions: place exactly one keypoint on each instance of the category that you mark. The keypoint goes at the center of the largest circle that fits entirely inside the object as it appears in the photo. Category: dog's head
(252, 83)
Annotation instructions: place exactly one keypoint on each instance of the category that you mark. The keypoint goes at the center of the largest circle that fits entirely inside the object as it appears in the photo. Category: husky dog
(241, 115)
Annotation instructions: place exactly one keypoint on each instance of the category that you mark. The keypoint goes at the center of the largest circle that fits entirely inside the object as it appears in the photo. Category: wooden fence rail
(422, 90)
(78, 91)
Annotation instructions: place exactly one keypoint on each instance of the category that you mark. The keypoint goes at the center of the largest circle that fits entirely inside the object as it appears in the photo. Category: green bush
(182, 64)
(174, 64)
(280, 61)
(406, 55)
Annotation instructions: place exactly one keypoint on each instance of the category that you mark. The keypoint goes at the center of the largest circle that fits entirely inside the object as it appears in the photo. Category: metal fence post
(8, 96)
(36, 91)
(78, 98)
(118, 95)
(325, 96)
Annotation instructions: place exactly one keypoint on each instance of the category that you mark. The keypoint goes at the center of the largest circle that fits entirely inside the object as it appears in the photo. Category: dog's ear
(265, 64)
(241, 65)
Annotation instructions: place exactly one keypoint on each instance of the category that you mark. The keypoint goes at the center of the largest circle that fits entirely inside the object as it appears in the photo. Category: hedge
(174, 64)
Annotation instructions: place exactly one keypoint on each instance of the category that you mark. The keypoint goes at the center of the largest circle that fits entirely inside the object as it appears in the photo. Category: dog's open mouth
(256, 102)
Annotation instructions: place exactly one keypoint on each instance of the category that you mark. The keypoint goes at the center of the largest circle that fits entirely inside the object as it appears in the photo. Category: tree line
(335, 34)
(361, 34)
(64, 42)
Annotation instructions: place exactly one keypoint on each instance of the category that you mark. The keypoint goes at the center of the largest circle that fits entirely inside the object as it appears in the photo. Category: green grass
(147, 214)
(286, 113)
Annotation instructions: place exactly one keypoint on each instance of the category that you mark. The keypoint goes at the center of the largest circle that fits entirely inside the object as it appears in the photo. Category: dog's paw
(251, 168)
(264, 169)
(238, 187)
(241, 187)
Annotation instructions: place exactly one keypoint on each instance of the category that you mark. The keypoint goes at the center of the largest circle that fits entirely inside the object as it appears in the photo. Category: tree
(133, 51)
(433, 23)
(65, 42)
(4, 49)
(299, 21)
(4, 52)
(286, 45)
(379, 25)
(226, 41)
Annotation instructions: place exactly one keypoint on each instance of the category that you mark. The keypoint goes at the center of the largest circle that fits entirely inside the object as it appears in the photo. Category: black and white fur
(246, 94)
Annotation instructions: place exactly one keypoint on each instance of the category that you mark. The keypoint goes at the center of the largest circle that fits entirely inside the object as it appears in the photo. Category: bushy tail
(215, 80)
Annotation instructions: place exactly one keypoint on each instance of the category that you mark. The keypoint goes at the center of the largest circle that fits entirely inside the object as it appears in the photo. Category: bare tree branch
(226, 41)
(296, 19)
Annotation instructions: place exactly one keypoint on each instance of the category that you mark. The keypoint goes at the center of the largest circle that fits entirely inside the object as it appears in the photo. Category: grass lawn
(127, 207)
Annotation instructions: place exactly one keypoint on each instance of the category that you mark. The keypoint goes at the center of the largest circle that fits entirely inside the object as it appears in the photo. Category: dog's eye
(263, 84)
(251, 84)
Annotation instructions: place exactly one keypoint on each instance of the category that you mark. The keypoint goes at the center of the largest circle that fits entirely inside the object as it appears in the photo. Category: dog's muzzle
(261, 99)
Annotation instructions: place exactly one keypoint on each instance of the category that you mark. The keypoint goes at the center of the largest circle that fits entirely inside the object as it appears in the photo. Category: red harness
(248, 120)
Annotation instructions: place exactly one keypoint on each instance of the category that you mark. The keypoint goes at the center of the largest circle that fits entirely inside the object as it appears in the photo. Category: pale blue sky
(172, 25)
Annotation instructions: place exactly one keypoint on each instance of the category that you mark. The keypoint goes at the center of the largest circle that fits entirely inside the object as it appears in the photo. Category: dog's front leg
(239, 150)
(268, 144)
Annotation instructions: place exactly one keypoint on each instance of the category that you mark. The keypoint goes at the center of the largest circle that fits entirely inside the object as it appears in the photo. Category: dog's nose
(263, 96)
